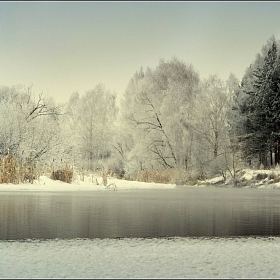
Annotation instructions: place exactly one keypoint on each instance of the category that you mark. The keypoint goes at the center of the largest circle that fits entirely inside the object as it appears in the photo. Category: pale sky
(63, 47)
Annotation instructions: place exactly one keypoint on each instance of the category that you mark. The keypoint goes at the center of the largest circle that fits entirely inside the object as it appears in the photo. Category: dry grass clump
(9, 170)
(15, 171)
(164, 176)
(156, 176)
(29, 171)
(64, 174)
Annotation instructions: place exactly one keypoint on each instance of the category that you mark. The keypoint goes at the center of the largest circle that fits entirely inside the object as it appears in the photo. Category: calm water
(180, 212)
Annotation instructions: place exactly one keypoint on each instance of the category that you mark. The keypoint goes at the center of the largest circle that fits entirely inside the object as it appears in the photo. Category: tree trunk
(277, 152)
(263, 159)
(216, 145)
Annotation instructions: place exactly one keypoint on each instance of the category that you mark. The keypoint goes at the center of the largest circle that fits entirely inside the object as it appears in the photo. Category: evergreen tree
(261, 109)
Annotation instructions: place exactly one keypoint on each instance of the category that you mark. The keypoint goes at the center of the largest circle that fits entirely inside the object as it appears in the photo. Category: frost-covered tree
(212, 109)
(30, 125)
(154, 104)
(211, 123)
(91, 120)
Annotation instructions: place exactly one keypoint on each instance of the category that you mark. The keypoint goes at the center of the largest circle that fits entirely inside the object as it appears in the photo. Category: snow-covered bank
(246, 257)
(88, 184)
(247, 178)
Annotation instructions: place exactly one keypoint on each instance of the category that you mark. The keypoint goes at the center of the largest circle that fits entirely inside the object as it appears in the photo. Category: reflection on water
(182, 212)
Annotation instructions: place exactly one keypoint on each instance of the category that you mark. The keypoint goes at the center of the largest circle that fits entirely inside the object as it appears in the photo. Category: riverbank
(89, 183)
(246, 178)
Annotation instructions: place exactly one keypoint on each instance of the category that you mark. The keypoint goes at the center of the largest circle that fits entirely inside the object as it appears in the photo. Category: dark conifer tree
(261, 110)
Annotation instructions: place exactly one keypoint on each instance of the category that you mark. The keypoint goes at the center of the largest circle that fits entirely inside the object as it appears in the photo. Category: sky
(63, 47)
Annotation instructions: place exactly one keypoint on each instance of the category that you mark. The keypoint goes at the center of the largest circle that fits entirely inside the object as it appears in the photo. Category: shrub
(28, 171)
(116, 167)
(64, 174)
(261, 176)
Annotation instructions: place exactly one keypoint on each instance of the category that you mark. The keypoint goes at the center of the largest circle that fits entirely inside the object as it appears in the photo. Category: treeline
(171, 125)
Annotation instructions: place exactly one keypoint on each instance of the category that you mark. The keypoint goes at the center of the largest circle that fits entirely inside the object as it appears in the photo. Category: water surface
(180, 212)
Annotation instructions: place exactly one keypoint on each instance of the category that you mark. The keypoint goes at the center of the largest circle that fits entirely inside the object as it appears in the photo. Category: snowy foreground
(239, 257)
(251, 257)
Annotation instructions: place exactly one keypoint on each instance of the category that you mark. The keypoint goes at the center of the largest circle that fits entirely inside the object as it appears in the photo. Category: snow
(44, 183)
(251, 257)
(248, 178)
(174, 257)
(93, 182)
